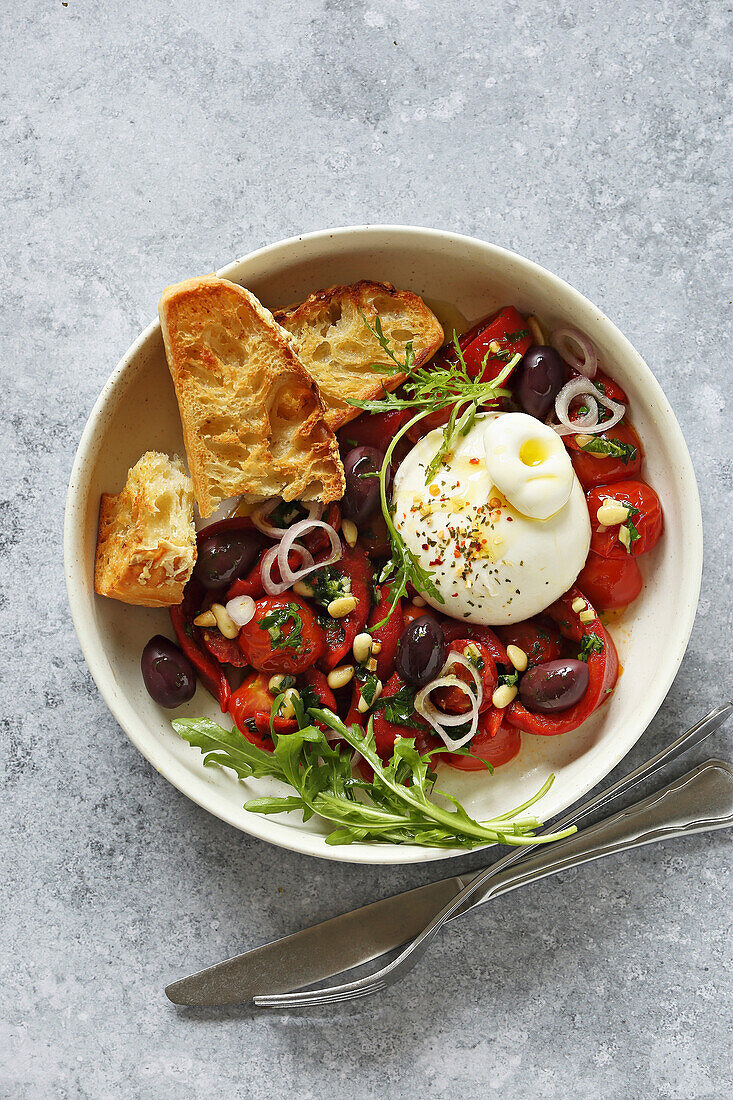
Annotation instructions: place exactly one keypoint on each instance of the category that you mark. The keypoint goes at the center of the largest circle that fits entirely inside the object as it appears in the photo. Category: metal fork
(415, 950)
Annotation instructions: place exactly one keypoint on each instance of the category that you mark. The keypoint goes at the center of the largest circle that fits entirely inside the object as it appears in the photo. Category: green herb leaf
(614, 448)
(279, 618)
(329, 583)
(591, 643)
(400, 708)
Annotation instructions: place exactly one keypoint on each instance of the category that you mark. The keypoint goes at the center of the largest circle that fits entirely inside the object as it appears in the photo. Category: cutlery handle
(699, 801)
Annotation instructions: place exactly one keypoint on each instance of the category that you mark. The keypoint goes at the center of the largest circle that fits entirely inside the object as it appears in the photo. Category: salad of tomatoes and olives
(450, 602)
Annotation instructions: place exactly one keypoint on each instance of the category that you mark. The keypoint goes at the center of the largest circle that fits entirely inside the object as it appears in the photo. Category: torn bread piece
(253, 419)
(146, 543)
(338, 349)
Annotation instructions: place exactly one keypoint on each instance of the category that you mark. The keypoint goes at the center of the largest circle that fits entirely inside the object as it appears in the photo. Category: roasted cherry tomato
(602, 469)
(607, 386)
(538, 638)
(452, 699)
(610, 582)
(282, 636)
(596, 645)
(250, 707)
(645, 516)
(493, 743)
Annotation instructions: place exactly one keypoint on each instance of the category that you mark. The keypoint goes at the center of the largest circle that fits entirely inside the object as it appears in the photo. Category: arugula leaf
(276, 620)
(395, 807)
(591, 643)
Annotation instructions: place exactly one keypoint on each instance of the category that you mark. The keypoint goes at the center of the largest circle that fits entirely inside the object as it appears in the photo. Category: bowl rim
(189, 784)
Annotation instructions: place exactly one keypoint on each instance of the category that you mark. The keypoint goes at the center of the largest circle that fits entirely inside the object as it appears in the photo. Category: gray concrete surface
(144, 142)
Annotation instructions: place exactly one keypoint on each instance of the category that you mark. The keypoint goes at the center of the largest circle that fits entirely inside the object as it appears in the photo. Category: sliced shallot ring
(260, 514)
(588, 424)
(562, 340)
(240, 610)
(305, 526)
(272, 587)
(439, 720)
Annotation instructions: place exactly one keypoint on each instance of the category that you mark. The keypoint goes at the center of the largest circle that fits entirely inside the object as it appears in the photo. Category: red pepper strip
(373, 429)
(385, 732)
(389, 634)
(318, 685)
(251, 703)
(475, 343)
(224, 650)
(453, 629)
(340, 633)
(209, 672)
(602, 669)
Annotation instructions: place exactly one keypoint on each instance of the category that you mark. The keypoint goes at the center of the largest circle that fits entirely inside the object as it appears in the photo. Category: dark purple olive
(541, 377)
(167, 672)
(361, 499)
(224, 557)
(554, 685)
(421, 651)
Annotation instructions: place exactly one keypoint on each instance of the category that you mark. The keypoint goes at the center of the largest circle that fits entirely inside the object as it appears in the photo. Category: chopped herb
(286, 513)
(329, 584)
(591, 643)
(279, 618)
(511, 679)
(400, 708)
(369, 689)
(614, 448)
(512, 337)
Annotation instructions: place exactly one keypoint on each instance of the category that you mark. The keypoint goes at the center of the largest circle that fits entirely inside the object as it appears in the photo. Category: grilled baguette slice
(337, 348)
(146, 543)
(253, 419)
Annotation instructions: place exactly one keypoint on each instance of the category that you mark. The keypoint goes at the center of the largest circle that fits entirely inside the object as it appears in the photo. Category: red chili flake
(509, 519)
(474, 461)
(436, 561)
(456, 553)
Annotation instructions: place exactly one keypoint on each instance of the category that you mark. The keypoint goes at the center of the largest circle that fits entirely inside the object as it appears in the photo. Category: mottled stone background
(144, 142)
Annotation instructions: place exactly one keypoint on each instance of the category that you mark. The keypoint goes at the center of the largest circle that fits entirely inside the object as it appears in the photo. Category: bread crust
(253, 419)
(337, 348)
(146, 540)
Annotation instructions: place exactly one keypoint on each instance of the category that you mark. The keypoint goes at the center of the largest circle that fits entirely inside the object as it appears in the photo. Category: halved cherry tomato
(602, 670)
(340, 633)
(452, 699)
(538, 638)
(607, 386)
(494, 743)
(291, 643)
(610, 582)
(250, 707)
(452, 628)
(648, 519)
(225, 650)
(595, 469)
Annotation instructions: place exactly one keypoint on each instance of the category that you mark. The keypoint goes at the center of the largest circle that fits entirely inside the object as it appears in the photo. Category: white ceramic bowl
(137, 411)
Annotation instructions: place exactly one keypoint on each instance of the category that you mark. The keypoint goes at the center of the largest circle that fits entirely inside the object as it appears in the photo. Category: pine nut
(371, 665)
(362, 647)
(503, 696)
(584, 440)
(418, 601)
(206, 618)
(376, 647)
(518, 657)
(275, 683)
(302, 589)
(287, 710)
(586, 616)
(538, 336)
(578, 604)
(340, 677)
(612, 512)
(344, 605)
(472, 652)
(224, 621)
(362, 706)
(350, 531)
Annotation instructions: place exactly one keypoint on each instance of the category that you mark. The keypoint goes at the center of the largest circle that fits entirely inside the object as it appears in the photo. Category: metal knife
(320, 951)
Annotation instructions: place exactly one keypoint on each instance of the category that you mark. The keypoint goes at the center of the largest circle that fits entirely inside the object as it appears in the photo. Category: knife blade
(318, 952)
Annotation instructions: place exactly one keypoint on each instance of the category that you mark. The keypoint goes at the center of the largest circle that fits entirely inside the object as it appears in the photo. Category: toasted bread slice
(146, 543)
(253, 419)
(338, 349)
